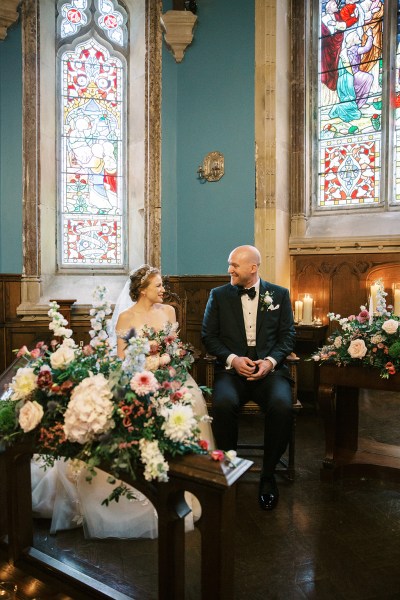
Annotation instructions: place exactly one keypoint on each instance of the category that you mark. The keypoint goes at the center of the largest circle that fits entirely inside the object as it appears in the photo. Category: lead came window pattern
(350, 103)
(91, 157)
(111, 21)
(73, 16)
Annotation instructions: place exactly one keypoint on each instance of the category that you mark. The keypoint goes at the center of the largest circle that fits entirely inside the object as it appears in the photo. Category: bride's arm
(121, 327)
(170, 313)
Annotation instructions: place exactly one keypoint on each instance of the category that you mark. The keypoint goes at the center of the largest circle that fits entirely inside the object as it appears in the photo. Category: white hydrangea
(89, 411)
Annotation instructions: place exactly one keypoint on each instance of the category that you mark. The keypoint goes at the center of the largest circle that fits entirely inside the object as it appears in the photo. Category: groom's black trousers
(273, 395)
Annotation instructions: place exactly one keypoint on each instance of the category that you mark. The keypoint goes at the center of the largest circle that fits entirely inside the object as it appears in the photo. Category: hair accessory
(148, 272)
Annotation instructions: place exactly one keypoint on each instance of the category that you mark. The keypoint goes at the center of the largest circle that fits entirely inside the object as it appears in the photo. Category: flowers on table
(370, 339)
(83, 402)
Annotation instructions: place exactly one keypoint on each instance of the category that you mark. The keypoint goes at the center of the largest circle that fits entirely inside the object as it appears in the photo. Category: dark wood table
(346, 454)
(308, 339)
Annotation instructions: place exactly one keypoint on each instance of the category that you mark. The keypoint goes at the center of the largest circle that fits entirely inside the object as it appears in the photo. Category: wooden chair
(179, 305)
(286, 466)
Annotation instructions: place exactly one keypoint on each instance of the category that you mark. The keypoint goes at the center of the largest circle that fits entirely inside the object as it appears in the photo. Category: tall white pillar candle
(374, 292)
(396, 303)
(298, 311)
(308, 309)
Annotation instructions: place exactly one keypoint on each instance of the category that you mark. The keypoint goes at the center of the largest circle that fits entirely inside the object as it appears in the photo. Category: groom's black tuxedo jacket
(223, 330)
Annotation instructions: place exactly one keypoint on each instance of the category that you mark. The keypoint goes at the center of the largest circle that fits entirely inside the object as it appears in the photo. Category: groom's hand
(244, 366)
(263, 367)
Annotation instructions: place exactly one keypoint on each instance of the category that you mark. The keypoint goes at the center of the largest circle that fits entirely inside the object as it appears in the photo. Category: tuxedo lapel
(260, 313)
(237, 309)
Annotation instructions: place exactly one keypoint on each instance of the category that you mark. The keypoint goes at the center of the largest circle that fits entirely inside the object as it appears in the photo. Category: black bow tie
(251, 292)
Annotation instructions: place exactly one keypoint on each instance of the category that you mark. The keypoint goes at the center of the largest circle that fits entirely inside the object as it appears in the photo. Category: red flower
(203, 444)
(217, 455)
(390, 368)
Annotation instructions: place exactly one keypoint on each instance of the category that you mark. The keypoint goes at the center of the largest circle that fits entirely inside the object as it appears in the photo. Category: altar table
(346, 454)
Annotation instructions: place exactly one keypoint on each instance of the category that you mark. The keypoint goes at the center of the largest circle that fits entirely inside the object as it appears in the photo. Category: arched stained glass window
(350, 103)
(92, 141)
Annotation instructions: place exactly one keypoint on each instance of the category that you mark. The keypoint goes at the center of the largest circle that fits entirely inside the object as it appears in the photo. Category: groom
(248, 325)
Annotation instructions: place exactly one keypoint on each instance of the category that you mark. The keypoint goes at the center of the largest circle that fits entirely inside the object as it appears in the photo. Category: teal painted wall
(208, 104)
(11, 152)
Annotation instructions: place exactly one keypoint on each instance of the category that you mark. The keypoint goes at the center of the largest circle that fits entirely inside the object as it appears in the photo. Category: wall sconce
(213, 167)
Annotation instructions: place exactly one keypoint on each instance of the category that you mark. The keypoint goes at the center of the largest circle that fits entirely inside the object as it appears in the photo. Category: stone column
(30, 291)
(298, 121)
(272, 138)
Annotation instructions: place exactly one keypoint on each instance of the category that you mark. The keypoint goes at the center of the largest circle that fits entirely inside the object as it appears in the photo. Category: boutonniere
(266, 301)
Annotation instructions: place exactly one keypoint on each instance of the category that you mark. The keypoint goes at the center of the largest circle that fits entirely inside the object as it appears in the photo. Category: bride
(62, 492)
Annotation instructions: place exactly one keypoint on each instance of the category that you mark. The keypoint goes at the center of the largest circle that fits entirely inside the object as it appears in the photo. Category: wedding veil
(123, 302)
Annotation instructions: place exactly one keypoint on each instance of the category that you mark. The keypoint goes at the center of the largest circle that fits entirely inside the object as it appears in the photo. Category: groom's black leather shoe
(268, 494)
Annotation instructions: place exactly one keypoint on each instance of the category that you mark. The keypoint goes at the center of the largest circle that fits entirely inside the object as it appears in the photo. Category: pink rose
(390, 326)
(217, 455)
(164, 359)
(153, 347)
(357, 349)
(363, 316)
(30, 415)
(22, 351)
(35, 353)
(87, 350)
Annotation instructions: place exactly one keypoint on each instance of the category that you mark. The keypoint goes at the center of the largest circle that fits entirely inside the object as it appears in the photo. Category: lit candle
(308, 308)
(298, 311)
(374, 293)
(396, 299)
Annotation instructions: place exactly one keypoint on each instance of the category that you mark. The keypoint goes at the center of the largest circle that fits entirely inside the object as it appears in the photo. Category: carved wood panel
(341, 283)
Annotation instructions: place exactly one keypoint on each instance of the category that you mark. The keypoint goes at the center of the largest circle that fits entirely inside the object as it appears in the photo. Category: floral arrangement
(83, 402)
(266, 301)
(370, 339)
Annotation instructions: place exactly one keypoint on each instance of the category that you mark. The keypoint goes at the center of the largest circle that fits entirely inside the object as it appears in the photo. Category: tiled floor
(336, 542)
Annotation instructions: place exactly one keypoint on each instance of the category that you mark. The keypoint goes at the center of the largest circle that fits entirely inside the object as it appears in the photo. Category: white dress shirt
(250, 307)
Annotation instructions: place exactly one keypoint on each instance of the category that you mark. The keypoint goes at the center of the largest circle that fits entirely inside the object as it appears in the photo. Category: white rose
(390, 326)
(89, 411)
(357, 349)
(30, 415)
(23, 383)
(62, 357)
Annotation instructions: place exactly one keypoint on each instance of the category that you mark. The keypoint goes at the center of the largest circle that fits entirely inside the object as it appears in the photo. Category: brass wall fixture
(213, 167)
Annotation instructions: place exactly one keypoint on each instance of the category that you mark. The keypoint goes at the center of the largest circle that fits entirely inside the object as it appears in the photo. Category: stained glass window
(92, 156)
(350, 103)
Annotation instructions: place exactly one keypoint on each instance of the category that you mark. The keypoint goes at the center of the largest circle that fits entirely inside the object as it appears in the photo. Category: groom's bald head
(244, 262)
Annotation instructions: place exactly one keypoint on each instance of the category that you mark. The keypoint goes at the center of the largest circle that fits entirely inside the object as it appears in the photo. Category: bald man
(248, 325)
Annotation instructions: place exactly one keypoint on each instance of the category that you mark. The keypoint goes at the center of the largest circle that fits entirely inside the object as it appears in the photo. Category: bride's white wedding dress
(63, 494)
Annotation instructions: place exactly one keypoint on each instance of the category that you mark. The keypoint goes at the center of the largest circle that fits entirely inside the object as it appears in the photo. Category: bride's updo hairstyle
(140, 279)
